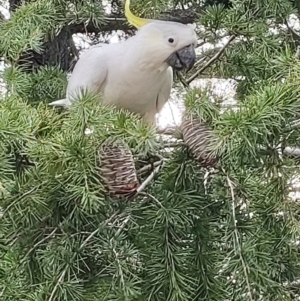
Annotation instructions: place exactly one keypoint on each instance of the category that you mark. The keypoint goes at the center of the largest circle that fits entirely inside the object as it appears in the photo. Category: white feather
(133, 74)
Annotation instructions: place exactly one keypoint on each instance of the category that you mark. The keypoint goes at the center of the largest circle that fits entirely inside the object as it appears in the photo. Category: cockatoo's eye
(172, 40)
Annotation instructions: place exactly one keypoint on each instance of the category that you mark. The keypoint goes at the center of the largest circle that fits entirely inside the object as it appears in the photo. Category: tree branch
(62, 276)
(37, 244)
(111, 23)
(238, 245)
(60, 280)
(21, 198)
(149, 167)
(211, 61)
(114, 22)
(148, 180)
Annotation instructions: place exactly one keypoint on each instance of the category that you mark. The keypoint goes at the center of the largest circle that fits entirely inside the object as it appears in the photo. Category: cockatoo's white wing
(89, 74)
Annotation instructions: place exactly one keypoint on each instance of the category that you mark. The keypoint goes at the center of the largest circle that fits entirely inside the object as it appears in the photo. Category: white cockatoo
(135, 74)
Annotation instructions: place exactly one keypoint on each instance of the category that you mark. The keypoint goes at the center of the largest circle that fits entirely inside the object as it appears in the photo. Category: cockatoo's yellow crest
(132, 19)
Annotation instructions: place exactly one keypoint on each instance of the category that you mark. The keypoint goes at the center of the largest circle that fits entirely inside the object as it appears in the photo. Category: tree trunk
(60, 51)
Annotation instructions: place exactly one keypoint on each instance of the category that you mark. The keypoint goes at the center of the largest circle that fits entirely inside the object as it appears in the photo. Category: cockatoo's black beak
(183, 58)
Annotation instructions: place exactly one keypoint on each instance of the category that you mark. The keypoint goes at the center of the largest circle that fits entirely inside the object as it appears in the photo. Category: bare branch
(118, 22)
(20, 199)
(206, 54)
(111, 23)
(148, 180)
(38, 243)
(211, 61)
(153, 198)
(148, 167)
(60, 280)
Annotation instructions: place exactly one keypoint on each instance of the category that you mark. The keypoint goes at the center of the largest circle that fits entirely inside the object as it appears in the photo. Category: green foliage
(46, 84)
(27, 27)
(264, 46)
(197, 101)
(32, 24)
(262, 124)
(194, 233)
(46, 198)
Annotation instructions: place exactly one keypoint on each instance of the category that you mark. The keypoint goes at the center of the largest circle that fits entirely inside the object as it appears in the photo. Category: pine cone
(200, 139)
(117, 169)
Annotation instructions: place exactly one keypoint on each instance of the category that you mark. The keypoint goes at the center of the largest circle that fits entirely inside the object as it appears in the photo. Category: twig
(120, 270)
(96, 231)
(182, 80)
(153, 198)
(148, 167)
(294, 284)
(200, 60)
(148, 180)
(38, 243)
(287, 150)
(207, 54)
(206, 177)
(168, 131)
(19, 199)
(237, 235)
(114, 19)
(214, 58)
(60, 280)
(200, 43)
(121, 227)
(2, 292)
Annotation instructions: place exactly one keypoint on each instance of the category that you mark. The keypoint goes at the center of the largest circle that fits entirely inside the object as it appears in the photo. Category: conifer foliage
(187, 230)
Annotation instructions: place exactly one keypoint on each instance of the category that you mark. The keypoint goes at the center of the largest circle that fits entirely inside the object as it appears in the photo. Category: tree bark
(14, 4)
(118, 22)
(60, 51)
